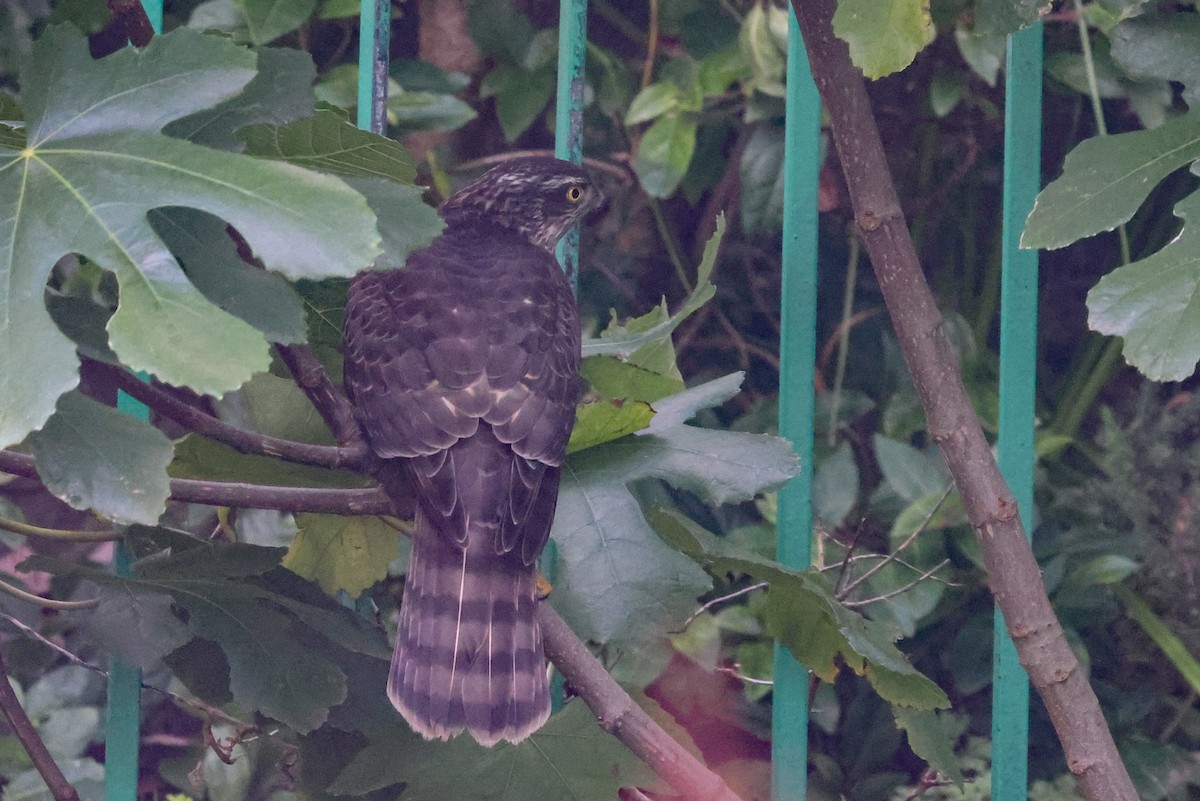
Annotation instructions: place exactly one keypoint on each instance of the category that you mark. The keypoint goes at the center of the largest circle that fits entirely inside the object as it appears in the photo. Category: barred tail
(469, 650)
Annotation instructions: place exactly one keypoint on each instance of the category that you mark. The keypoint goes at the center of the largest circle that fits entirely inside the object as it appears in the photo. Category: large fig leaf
(82, 176)
(615, 579)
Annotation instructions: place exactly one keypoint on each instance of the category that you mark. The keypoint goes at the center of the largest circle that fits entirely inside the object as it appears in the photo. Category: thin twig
(849, 588)
(362, 501)
(210, 713)
(311, 377)
(69, 535)
(651, 45)
(736, 671)
(876, 599)
(713, 602)
(14, 591)
(25, 732)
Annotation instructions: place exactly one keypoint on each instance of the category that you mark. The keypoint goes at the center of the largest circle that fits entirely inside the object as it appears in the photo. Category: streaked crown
(537, 197)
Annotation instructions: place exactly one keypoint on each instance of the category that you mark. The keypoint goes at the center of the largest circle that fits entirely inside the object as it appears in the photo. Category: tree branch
(240, 439)
(23, 728)
(358, 501)
(1012, 570)
(335, 409)
(621, 717)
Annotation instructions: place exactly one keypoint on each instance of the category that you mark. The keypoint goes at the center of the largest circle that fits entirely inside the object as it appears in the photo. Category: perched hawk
(463, 369)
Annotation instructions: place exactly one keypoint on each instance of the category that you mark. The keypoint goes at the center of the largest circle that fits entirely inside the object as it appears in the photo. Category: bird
(462, 368)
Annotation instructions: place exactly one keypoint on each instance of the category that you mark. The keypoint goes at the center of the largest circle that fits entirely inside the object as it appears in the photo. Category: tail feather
(469, 652)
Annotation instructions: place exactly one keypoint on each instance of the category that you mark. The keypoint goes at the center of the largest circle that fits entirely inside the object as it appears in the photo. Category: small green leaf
(912, 474)
(94, 457)
(762, 174)
(521, 95)
(256, 22)
(835, 486)
(654, 328)
(929, 739)
(1106, 178)
(619, 380)
(342, 553)
(605, 420)
(1152, 303)
(1109, 568)
(652, 102)
(999, 18)
(983, 54)
(884, 36)
(1167, 641)
(664, 153)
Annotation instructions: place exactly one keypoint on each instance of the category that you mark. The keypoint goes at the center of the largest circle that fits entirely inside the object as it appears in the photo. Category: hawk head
(538, 198)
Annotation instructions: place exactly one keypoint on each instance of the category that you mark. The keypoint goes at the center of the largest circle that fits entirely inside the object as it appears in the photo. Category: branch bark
(1012, 571)
(23, 728)
(620, 716)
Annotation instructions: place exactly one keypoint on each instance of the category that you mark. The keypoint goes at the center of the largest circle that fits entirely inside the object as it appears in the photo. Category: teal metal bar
(123, 706)
(568, 111)
(1018, 383)
(374, 42)
(797, 356)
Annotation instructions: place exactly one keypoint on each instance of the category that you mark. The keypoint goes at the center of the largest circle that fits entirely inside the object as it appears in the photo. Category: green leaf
(380, 169)
(615, 579)
(86, 775)
(278, 660)
(93, 457)
(683, 406)
(929, 739)
(1109, 568)
(762, 40)
(664, 153)
(280, 93)
(983, 54)
(210, 258)
(139, 628)
(602, 421)
(762, 180)
(1105, 179)
(569, 759)
(803, 615)
(653, 330)
(499, 29)
(1162, 46)
(999, 18)
(521, 95)
(1152, 303)
(884, 35)
(1167, 641)
(256, 22)
(912, 474)
(654, 101)
(84, 184)
(835, 486)
(342, 553)
(428, 111)
(618, 380)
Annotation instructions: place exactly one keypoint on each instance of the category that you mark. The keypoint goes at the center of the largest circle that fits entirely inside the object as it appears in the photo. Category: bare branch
(849, 588)
(23, 728)
(239, 439)
(621, 717)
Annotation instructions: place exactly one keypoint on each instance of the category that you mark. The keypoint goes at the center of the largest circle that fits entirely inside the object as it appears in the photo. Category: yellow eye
(574, 194)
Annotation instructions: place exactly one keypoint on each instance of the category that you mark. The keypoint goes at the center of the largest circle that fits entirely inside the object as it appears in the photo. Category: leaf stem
(27, 530)
(46, 603)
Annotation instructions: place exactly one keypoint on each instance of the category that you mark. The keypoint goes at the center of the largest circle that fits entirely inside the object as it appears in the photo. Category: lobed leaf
(1106, 178)
(884, 35)
(94, 164)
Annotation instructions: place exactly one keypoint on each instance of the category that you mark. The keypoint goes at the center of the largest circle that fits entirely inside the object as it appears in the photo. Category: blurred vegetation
(684, 120)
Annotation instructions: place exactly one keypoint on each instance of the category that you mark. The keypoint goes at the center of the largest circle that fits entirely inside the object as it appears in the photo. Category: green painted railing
(797, 355)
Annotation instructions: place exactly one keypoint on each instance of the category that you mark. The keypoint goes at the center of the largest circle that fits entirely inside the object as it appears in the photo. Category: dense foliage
(187, 205)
